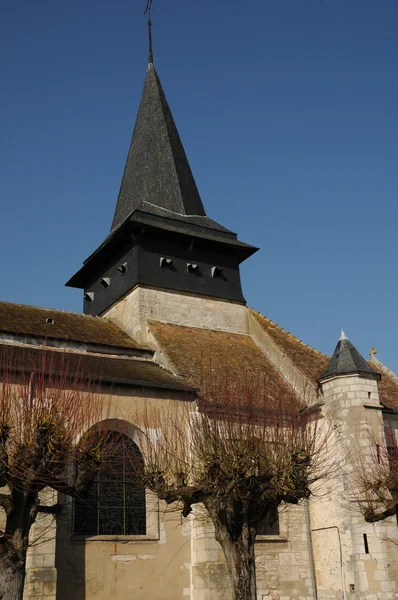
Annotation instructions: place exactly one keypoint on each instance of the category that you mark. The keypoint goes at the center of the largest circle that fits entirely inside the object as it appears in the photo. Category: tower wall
(142, 304)
(352, 558)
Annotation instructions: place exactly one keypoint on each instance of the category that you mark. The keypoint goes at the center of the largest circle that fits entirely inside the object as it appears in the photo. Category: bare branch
(371, 517)
(47, 407)
(375, 480)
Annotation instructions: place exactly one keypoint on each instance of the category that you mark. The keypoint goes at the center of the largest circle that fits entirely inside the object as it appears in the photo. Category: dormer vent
(192, 268)
(166, 263)
(216, 272)
(89, 297)
(105, 282)
(123, 268)
(50, 321)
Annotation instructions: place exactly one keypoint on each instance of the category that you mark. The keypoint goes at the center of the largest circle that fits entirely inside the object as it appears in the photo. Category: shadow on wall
(70, 562)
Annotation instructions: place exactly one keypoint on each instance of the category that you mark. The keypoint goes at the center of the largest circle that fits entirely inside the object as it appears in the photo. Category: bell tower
(161, 236)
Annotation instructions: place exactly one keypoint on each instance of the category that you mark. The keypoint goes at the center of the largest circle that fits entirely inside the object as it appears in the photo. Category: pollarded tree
(238, 452)
(45, 406)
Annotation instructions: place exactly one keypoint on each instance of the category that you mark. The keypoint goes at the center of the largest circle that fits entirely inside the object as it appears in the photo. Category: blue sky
(287, 111)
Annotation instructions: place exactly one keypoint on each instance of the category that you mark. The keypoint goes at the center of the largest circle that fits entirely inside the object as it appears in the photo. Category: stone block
(33, 590)
(362, 579)
(287, 558)
(41, 575)
(388, 586)
(49, 589)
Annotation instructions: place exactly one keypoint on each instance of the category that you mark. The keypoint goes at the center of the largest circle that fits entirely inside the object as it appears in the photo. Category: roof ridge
(294, 337)
(386, 371)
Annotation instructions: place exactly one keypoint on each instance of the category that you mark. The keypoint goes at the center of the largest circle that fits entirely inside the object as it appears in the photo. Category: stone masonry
(352, 557)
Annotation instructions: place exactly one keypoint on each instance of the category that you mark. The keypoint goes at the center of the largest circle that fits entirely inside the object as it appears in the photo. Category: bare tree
(240, 453)
(46, 404)
(375, 481)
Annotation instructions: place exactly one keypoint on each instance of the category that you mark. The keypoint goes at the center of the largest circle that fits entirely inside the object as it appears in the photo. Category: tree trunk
(12, 573)
(240, 560)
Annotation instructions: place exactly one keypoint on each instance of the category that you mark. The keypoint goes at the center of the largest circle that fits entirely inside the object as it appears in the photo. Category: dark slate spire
(346, 360)
(157, 171)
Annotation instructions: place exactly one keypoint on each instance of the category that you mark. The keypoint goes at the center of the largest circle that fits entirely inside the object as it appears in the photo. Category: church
(160, 293)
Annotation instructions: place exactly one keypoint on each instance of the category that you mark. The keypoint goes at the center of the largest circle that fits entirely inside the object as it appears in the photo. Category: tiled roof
(27, 320)
(196, 354)
(313, 363)
(388, 389)
(105, 369)
(308, 360)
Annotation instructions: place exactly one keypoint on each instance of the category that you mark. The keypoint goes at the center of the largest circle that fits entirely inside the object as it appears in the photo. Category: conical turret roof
(347, 360)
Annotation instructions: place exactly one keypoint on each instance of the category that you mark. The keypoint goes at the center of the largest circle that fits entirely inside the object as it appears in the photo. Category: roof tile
(313, 363)
(196, 354)
(22, 319)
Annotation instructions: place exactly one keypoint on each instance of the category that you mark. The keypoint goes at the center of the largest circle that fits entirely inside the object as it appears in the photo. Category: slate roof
(157, 179)
(105, 369)
(198, 354)
(22, 319)
(157, 169)
(347, 360)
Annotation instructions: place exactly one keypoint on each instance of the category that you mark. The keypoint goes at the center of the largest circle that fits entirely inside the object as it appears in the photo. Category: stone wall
(142, 304)
(282, 561)
(122, 567)
(41, 573)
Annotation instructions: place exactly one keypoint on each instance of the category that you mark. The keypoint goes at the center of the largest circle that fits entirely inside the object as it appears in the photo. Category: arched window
(115, 504)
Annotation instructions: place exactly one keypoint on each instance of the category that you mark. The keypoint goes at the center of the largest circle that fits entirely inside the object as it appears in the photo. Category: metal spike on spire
(343, 335)
(148, 12)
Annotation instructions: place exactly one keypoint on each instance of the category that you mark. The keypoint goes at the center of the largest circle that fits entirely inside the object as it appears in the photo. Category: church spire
(157, 171)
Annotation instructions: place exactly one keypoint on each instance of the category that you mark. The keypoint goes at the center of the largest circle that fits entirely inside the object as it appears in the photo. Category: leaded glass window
(115, 504)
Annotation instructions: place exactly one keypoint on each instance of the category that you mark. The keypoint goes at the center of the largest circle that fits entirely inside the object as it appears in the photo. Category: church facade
(161, 293)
